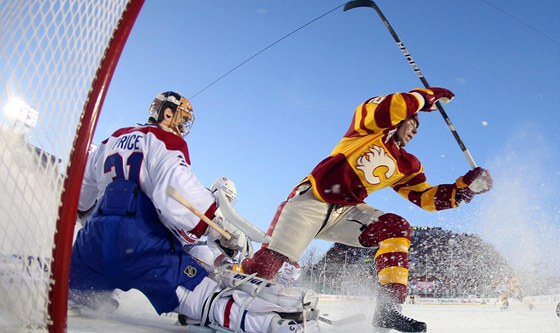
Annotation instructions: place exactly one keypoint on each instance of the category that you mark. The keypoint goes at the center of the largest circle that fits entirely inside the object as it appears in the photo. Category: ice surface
(136, 315)
(455, 318)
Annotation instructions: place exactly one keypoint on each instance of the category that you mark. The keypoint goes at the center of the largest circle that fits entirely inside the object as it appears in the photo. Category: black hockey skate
(390, 317)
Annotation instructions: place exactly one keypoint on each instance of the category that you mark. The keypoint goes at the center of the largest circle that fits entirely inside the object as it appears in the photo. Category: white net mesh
(49, 54)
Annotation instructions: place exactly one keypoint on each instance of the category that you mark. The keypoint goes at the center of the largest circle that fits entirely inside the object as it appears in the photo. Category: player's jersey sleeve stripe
(430, 198)
(445, 197)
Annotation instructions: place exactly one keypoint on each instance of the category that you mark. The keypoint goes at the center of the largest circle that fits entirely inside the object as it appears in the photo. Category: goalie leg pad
(191, 303)
(240, 312)
(292, 299)
(236, 311)
(234, 302)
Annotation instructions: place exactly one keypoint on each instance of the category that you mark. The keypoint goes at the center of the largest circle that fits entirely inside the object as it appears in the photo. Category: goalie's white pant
(234, 310)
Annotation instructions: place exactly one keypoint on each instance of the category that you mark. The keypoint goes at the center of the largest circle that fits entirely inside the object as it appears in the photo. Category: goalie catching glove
(433, 95)
(238, 244)
(474, 182)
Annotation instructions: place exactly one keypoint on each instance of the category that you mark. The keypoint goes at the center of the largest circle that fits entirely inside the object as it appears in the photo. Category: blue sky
(269, 122)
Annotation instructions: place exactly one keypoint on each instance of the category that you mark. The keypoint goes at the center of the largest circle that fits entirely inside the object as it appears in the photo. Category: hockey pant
(125, 246)
(303, 217)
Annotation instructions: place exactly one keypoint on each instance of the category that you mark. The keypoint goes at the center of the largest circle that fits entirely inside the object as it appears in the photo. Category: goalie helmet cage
(57, 58)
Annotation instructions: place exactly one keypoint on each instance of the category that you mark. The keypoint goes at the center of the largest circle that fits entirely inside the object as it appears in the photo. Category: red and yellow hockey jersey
(368, 159)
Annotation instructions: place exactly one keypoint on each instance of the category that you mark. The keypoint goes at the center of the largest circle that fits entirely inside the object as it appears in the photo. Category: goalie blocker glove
(238, 244)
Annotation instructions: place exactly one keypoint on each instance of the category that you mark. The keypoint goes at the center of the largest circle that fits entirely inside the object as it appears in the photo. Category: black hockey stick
(369, 3)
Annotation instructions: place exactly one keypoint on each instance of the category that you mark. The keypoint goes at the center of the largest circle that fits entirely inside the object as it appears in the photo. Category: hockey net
(56, 61)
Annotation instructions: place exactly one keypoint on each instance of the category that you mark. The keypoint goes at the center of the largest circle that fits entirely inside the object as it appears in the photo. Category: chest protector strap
(124, 198)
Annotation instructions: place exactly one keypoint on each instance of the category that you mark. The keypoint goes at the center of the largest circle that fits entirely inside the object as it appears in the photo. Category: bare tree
(310, 257)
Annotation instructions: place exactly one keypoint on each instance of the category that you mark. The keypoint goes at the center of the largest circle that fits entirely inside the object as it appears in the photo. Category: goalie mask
(227, 186)
(182, 119)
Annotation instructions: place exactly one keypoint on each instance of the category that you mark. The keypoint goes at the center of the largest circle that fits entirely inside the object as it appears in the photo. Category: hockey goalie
(135, 235)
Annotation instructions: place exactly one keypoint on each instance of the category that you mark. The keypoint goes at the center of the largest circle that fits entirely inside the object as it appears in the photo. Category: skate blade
(386, 330)
(381, 329)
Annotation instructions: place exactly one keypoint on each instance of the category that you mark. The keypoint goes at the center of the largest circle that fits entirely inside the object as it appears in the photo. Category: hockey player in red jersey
(329, 203)
(136, 233)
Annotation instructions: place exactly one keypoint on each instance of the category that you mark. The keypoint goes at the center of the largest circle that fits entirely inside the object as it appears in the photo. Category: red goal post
(57, 58)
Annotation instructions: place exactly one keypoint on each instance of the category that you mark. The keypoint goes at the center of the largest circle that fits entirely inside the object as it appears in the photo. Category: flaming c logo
(376, 164)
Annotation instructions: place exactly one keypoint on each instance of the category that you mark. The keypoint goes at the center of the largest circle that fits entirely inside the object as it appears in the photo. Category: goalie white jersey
(154, 159)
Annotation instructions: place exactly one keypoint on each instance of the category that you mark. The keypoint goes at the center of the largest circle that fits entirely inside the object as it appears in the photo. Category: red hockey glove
(432, 95)
(474, 182)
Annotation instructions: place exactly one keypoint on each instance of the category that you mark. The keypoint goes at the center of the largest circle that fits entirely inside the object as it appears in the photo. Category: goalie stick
(173, 193)
(369, 3)
(343, 321)
(224, 206)
(229, 213)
